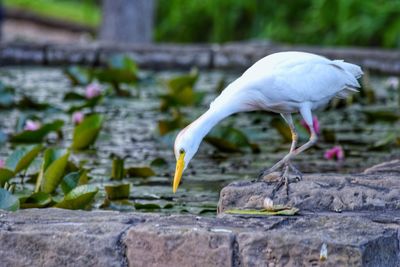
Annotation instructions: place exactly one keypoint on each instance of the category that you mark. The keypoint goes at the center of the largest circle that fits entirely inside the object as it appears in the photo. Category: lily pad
(178, 83)
(73, 179)
(78, 198)
(77, 75)
(115, 192)
(147, 206)
(8, 201)
(6, 96)
(36, 200)
(229, 139)
(85, 134)
(5, 175)
(52, 171)
(139, 172)
(21, 158)
(89, 103)
(37, 135)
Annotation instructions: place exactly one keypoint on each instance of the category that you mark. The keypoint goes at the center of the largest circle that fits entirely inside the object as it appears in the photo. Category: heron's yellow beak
(180, 164)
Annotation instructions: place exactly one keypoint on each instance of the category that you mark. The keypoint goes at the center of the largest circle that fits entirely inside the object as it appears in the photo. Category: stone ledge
(207, 56)
(366, 233)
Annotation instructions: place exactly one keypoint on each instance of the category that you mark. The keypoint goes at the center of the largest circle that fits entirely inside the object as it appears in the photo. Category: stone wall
(366, 234)
(161, 56)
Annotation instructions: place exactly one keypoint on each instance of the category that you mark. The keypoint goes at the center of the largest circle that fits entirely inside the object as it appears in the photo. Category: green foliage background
(327, 22)
(322, 22)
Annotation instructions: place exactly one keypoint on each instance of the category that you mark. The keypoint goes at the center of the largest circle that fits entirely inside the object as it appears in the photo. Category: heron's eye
(181, 151)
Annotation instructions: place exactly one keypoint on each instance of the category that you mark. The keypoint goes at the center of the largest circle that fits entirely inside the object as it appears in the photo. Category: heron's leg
(289, 121)
(305, 112)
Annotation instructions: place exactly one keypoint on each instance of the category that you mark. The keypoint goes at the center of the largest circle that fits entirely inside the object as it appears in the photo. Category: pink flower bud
(77, 117)
(31, 125)
(315, 124)
(92, 90)
(335, 152)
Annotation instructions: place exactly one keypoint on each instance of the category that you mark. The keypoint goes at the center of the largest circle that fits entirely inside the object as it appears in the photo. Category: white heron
(285, 83)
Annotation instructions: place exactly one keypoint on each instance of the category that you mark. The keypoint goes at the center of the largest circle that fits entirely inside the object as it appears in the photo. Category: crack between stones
(236, 259)
(121, 247)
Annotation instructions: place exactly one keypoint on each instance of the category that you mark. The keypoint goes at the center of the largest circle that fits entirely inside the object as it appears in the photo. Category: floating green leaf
(89, 103)
(117, 171)
(37, 135)
(77, 75)
(78, 198)
(36, 200)
(382, 114)
(146, 206)
(72, 180)
(87, 131)
(21, 158)
(139, 172)
(166, 126)
(229, 139)
(178, 83)
(52, 171)
(117, 191)
(6, 96)
(5, 175)
(263, 212)
(28, 103)
(158, 162)
(8, 201)
(120, 69)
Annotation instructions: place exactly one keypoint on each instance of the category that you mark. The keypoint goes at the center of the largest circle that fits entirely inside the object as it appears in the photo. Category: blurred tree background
(322, 22)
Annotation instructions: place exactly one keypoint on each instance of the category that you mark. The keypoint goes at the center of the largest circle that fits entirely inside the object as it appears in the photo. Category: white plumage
(285, 83)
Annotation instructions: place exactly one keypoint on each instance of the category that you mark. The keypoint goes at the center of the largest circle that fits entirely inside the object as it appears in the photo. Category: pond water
(131, 129)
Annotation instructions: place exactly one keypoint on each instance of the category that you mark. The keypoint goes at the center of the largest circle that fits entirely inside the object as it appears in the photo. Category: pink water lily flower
(31, 125)
(77, 117)
(315, 124)
(335, 152)
(92, 90)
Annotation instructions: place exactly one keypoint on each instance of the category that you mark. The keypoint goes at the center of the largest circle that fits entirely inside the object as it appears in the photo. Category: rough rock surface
(365, 233)
(320, 192)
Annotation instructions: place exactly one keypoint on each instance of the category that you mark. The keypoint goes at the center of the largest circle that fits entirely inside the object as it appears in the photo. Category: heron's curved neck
(203, 125)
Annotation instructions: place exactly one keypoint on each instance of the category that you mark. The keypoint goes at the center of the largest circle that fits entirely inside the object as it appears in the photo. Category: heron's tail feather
(354, 69)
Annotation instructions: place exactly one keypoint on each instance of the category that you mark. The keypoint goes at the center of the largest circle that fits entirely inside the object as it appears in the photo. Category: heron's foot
(281, 179)
(270, 174)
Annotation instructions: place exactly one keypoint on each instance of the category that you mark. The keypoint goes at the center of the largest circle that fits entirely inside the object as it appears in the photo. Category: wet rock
(376, 189)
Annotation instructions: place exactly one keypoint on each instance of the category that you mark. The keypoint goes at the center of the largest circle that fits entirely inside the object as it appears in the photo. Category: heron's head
(186, 145)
